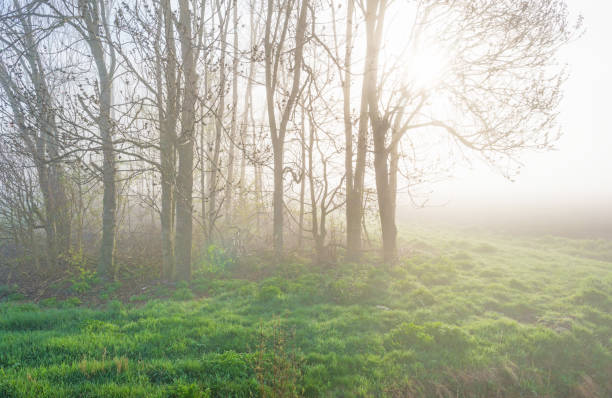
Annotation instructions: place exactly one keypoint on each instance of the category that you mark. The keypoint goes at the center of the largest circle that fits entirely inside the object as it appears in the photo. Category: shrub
(48, 302)
(6, 290)
(270, 292)
(71, 302)
(82, 279)
(138, 297)
(214, 261)
(183, 293)
(115, 306)
(182, 390)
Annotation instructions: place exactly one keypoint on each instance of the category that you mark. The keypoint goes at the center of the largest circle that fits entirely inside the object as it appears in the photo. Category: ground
(466, 313)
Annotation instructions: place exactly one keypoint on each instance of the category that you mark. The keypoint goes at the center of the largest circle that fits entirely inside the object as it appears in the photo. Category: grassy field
(464, 315)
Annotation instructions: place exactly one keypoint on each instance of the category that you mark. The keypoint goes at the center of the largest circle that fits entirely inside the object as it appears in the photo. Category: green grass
(464, 315)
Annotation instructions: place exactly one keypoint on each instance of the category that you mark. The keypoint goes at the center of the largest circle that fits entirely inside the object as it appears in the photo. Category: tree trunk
(184, 183)
(386, 206)
(354, 178)
(277, 133)
(277, 200)
(168, 121)
(229, 188)
(215, 166)
(302, 182)
(375, 14)
(106, 266)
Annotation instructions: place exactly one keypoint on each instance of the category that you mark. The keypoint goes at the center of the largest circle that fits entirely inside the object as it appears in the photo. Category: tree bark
(94, 14)
(375, 14)
(354, 178)
(184, 183)
(168, 122)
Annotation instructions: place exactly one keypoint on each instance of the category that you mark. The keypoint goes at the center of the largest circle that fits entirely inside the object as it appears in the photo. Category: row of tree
(226, 113)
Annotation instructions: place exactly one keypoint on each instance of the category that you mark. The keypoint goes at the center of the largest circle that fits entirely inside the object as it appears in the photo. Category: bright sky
(580, 170)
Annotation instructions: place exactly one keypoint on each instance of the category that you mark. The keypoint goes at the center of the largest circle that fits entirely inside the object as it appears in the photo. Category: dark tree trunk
(184, 183)
(168, 121)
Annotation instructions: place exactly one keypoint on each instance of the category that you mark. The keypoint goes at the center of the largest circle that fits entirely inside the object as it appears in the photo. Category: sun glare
(425, 69)
(421, 58)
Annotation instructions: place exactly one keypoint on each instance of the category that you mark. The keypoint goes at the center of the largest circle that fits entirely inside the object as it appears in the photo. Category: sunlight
(426, 69)
(421, 59)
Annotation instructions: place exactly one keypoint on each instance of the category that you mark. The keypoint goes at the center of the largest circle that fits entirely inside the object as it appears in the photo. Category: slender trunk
(95, 18)
(384, 194)
(109, 201)
(205, 143)
(302, 182)
(257, 170)
(248, 99)
(80, 212)
(277, 133)
(203, 156)
(394, 164)
(318, 221)
(354, 186)
(229, 188)
(184, 183)
(354, 203)
(61, 211)
(212, 209)
(313, 198)
(168, 121)
(277, 200)
(375, 14)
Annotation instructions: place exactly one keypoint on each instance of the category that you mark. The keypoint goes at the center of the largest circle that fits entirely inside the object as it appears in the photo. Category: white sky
(580, 170)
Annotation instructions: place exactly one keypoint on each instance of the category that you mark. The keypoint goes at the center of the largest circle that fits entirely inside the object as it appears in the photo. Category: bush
(82, 279)
(7, 290)
(214, 261)
(270, 292)
(48, 302)
(183, 293)
(71, 302)
(182, 390)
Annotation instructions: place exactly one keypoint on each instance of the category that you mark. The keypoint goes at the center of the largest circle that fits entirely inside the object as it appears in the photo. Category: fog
(568, 190)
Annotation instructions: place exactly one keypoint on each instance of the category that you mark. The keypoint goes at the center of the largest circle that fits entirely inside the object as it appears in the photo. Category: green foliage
(183, 293)
(7, 290)
(270, 292)
(201, 285)
(71, 302)
(518, 321)
(115, 306)
(82, 278)
(48, 302)
(214, 261)
(192, 390)
(138, 297)
(17, 296)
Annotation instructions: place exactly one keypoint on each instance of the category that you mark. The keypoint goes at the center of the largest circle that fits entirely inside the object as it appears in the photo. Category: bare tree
(185, 141)
(501, 82)
(26, 89)
(275, 39)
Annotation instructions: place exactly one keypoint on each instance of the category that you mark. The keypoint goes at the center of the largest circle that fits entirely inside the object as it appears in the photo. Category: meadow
(466, 313)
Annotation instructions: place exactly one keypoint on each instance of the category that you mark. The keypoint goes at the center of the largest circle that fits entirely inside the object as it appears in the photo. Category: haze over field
(574, 180)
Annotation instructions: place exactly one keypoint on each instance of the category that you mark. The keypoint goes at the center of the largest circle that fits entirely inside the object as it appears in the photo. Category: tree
(274, 42)
(26, 89)
(496, 93)
(90, 19)
(184, 181)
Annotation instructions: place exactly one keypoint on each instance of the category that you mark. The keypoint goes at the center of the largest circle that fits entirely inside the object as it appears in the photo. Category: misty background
(567, 191)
